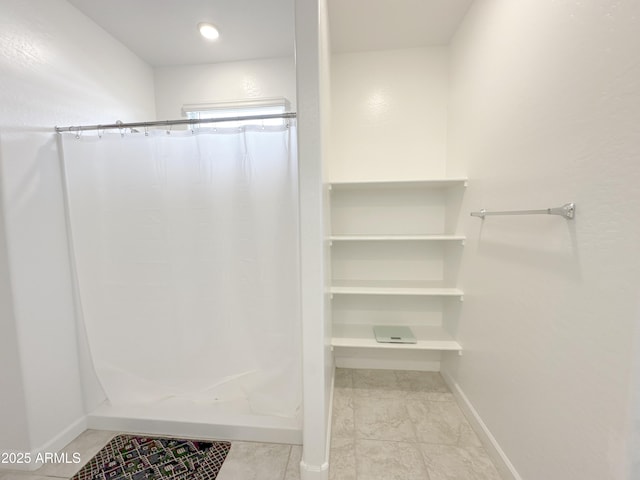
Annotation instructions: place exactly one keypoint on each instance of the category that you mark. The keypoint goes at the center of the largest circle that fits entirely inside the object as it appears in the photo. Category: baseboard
(314, 472)
(387, 359)
(321, 472)
(500, 459)
(383, 364)
(54, 445)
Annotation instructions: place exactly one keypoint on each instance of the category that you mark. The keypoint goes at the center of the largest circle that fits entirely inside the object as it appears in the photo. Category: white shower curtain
(186, 255)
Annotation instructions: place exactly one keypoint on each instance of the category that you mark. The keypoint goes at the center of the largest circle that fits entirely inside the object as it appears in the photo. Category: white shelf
(360, 238)
(361, 336)
(368, 287)
(370, 220)
(432, 183)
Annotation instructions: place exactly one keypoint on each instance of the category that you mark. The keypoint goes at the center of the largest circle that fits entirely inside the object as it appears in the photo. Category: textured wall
(56, 68)
(223, 82)
(545, 109)
(14, 431)
(389, 114)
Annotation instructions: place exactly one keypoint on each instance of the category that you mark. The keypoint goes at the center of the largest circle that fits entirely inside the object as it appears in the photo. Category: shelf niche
(394, 245)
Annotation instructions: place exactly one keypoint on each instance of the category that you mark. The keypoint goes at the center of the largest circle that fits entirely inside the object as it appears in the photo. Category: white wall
(389, 114)
(223, 82)
(634, 442)
(56, 68)
(14, 430)
(388, 122)
(545, 109)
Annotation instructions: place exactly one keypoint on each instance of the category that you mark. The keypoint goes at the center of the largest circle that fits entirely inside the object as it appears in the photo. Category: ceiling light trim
(208, 31)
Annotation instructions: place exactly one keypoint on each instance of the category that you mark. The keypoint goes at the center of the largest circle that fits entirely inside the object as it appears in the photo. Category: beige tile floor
(387, 425)
(400, 425)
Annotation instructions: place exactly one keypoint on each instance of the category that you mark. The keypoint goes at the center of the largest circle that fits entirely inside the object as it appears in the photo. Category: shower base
(206, 422)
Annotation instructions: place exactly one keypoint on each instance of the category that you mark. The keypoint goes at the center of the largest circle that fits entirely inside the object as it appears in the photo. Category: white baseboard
(54, 445)
(387, 359)
(321, 472)
(384, 364)
(500, 459)
(314, 472)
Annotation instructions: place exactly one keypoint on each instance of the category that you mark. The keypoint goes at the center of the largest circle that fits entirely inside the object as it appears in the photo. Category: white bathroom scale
(393, 334)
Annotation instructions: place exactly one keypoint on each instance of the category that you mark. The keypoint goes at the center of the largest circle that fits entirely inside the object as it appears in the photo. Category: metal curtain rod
(568, 211)
(182, 121)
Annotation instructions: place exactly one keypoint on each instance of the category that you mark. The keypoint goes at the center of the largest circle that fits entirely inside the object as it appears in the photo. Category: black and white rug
(129, 457)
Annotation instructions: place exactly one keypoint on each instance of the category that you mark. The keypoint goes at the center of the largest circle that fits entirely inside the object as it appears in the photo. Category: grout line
(413, 425)
(286, 466)
(415, 432)
(355, 456)
(355, 430)
(353, 435)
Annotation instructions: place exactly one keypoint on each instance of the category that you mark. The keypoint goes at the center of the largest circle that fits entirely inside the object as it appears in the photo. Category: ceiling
(360, 25)
(164, 33)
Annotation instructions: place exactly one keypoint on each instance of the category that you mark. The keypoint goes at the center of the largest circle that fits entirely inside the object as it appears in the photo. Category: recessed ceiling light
(208, 31)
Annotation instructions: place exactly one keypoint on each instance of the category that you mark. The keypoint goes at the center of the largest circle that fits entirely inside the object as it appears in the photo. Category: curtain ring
(119, 122)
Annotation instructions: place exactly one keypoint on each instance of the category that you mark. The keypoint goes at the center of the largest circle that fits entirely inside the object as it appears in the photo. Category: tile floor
(387, 425)
(400, 425)
(245, 461)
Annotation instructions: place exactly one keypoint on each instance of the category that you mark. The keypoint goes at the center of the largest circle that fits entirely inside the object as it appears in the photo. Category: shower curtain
(185, 247)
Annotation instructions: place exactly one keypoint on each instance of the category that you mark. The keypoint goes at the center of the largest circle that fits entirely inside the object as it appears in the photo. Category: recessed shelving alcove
(395, 253)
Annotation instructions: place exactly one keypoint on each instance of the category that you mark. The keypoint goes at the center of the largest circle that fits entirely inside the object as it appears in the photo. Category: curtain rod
(182, 121)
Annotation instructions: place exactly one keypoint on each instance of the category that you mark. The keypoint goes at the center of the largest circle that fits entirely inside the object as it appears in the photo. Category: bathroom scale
(393, 334)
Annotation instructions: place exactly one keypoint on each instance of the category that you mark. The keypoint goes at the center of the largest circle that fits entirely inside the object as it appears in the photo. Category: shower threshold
(186, 419)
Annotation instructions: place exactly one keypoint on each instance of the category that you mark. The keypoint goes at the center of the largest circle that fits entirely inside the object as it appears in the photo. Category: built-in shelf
(361, 336)
(432, 183)
(370, 220)
(385, 238)
(368, 287)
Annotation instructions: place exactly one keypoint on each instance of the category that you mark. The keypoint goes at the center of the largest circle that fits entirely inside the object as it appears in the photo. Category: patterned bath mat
(129, 457)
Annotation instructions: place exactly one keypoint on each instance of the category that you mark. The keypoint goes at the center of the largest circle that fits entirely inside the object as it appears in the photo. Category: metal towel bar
(568, 211)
